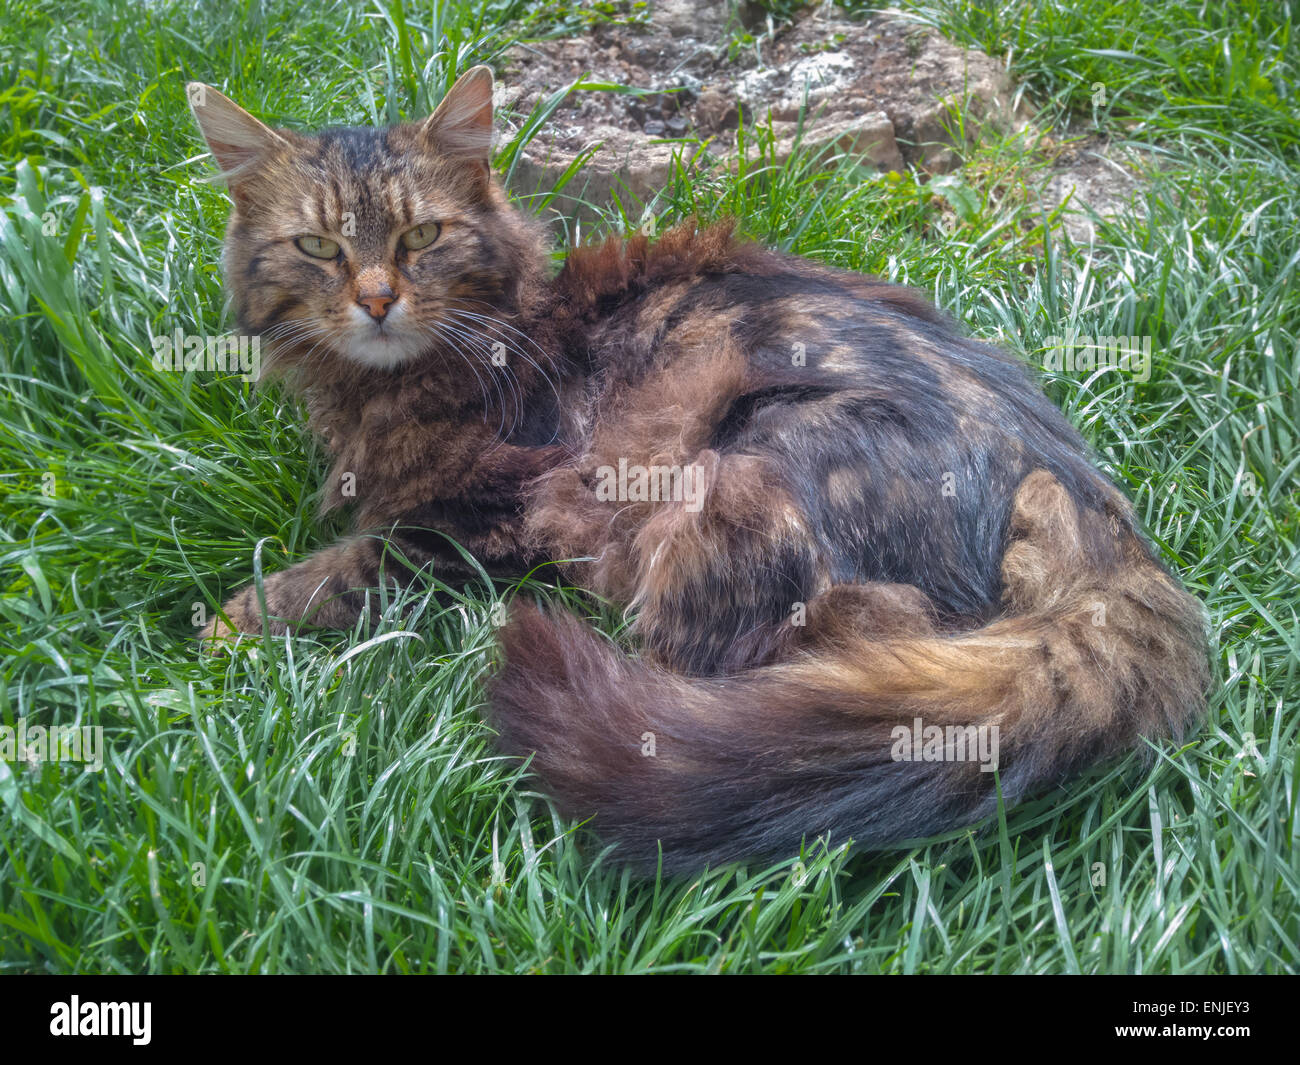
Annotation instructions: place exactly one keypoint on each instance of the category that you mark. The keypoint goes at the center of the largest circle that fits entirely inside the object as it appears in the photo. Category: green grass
(333, 804)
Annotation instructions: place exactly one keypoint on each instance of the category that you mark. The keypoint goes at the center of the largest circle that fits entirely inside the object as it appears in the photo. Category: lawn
(333, 803)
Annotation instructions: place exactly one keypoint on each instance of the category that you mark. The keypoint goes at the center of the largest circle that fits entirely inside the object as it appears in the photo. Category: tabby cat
(831, 515)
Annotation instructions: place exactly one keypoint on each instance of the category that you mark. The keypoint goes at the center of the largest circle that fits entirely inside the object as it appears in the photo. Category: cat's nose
(377, 303)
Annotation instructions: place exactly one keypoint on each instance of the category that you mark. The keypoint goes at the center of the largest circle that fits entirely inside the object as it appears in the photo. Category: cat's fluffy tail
(877, 741)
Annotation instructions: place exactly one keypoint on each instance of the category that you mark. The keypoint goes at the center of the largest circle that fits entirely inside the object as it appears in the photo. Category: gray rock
(881, 89)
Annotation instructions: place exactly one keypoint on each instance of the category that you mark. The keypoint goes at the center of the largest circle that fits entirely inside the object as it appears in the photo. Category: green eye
(318, 247)
(421, 236)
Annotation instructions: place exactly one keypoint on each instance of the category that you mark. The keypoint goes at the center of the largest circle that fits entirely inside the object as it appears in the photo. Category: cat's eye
(318, 247)
(421, 236)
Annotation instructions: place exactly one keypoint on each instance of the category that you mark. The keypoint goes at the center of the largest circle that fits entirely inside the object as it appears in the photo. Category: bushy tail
(1093, 656)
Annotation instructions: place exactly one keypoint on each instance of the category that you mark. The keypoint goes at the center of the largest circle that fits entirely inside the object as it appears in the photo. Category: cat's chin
(386, 352)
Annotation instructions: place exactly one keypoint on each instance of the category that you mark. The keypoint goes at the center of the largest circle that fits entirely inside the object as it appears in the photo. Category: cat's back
(643, 303)
(772, 327)
(902, 439)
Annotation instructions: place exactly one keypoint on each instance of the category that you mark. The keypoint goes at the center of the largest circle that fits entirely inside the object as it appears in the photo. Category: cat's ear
(237, 140)
(461, 126)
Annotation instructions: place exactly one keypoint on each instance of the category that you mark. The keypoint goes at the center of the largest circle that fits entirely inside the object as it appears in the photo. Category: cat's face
(374, 246)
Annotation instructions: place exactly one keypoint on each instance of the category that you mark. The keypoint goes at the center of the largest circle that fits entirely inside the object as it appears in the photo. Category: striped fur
(888, 522)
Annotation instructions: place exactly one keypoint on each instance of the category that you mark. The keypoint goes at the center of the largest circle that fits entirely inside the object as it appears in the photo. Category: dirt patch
(1093, 172)
(881, 88)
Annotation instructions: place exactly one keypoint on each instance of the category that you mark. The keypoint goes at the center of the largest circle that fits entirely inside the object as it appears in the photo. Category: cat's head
(371, 246)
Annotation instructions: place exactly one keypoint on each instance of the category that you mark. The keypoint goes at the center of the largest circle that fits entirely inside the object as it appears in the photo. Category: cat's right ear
(237, 140)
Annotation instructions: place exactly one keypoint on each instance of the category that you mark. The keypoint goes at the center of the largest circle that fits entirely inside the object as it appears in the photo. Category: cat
(837, 522)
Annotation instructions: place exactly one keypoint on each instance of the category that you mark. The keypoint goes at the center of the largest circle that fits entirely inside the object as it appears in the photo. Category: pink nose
(377, 304)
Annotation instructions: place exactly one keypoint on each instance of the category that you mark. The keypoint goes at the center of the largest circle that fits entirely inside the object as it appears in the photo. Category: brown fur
(888, 520)
(1064, 691)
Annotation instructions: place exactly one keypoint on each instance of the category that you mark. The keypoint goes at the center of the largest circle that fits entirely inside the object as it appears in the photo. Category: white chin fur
(382, 351)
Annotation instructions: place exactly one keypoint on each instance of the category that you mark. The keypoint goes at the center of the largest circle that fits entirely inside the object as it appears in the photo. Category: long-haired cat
(856, 544)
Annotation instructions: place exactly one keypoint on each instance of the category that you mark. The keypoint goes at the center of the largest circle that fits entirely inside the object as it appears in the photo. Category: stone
(870, 138)
(881, 88)
(716, 111)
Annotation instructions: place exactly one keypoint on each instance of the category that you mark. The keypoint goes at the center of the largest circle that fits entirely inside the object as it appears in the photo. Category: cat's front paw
(222, 633)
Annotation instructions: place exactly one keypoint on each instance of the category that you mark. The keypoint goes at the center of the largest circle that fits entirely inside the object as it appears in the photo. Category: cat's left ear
(461, 126)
